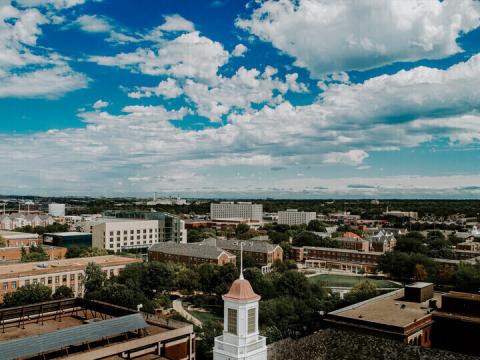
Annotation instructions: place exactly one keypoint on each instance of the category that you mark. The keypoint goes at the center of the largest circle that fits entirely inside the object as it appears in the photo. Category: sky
(240, 99)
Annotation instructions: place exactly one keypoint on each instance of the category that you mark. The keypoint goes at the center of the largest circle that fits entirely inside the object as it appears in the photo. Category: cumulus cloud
(99, 104)
(326, 37)
(351, 157)
(187, 56)
(239, 50)
(168, 89)
(93, 24)
(57, 4)
(25, 71)
(177, 23)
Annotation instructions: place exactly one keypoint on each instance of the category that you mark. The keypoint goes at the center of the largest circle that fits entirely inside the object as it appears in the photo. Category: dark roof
(198, 250)
(39, 344)
(258, 246)
(348, 239)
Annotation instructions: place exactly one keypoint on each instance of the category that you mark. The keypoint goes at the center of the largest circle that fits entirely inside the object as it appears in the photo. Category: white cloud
(239, 50)
(93, 24)
(187, 56)
(326, 37)
(99, 104)
(177, 23)
(23, 72)
(57, 4)
(351, 157)
(168, 89)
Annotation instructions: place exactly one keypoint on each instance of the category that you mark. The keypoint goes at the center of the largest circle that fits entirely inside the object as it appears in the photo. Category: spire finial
(241, 260)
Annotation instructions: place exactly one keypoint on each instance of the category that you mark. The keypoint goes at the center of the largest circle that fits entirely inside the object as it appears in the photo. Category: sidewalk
(178, 307)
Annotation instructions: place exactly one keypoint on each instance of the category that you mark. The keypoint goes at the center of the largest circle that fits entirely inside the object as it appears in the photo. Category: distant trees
(3, 242)
(84, 251)
(94, 279)
(402, 266)
(63, 292)
(316, 225)
(363, 290)
(55, 227)
(307, 238)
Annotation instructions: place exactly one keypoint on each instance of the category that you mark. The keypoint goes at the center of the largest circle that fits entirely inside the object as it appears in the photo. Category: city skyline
(240, 99)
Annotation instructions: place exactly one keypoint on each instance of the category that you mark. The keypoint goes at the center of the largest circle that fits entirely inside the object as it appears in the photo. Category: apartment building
(18, 220)
(69, 272)
(123, 234)
(295, 217)
(239, 210)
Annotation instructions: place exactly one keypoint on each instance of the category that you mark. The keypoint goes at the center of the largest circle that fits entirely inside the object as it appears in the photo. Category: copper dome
(241, 290)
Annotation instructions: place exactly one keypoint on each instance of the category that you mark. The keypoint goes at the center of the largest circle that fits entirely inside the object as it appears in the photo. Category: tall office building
(243, 210)
(295, 217)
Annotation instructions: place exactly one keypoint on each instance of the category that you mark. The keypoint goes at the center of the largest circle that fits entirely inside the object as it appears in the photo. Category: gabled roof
(198, 250)
(248, 246)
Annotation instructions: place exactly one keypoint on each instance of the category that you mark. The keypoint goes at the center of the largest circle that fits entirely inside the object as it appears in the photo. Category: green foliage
(63, 292)
(364, 290)
(316, 225)
(241, 229)
(28, 294)
(207, 334)
(198, 235)
(35, 253)
(188, 280)
(278, 237)
(84, 251)
(3, 242)
(307, 238)
(122, 295)
(55, 227)
(467, 278)
(94, 279)
(248, 261)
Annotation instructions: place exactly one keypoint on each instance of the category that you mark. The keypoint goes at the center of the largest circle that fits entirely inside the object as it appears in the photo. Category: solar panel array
(77, 335)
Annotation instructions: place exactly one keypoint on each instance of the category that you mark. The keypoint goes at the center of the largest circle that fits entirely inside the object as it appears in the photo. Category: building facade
(239, 210)
(295, 217)
(170, 227)
(19, 239)
(14, 254)
(69, 272)
(125, 234)
(68, 239)
(189, 254)
(18, 220)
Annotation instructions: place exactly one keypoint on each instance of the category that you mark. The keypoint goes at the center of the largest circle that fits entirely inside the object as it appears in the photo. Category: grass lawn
(204, 316)
(350, 281)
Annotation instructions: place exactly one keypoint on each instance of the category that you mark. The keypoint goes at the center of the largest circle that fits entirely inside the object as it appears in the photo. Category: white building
(118, 234)
(242, 210)
(295, 217)
(56, 210)
(241, 338)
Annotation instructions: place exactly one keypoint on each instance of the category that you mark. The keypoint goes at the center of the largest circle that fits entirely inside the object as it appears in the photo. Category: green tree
(94, 279)
(63, 292)
(248, 261)
(207, 334)
(188, 280)
(28, 294)
(242, 229)
(316, 225)
(364, 290)
(3, 242)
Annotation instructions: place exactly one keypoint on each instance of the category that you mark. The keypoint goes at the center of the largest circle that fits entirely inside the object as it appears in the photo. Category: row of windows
(125, 238)
(44, 280)
(125, 232)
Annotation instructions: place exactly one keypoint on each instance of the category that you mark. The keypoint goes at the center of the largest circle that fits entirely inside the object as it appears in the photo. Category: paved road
(178, 307)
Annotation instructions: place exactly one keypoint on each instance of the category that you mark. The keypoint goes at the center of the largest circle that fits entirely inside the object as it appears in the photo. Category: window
(42, 281)
(49, 280)
(72, 277)
(27, 282)
(57, 279)
(251, 320)
(14, 284)
(118, 232)
(232, 321)
(5, 286)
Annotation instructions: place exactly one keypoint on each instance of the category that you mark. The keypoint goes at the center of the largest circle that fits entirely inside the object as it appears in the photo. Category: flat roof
(16, 234)
(419, 285)
(27, 269)
(388, 309)
(69, 233)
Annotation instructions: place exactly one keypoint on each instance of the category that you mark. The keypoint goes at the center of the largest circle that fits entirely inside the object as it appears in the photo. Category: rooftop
(7, 271)
(241, 290)
(387, 309)
(7, 234)
(68, 233)
(194, 250)
(258, 246)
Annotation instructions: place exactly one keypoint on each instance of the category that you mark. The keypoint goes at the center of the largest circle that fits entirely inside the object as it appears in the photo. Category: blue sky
(306, 98)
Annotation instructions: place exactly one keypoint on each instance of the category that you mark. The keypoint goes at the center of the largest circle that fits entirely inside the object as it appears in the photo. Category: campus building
(190, 254)
(69, 272)
(14, 254)
(239, 210)
(80, 329)
(404, 315)
(19, 239)
(263, 252)
(334, 258)
(295, 217)
(170, 227)
(68, 239)
(124, 234)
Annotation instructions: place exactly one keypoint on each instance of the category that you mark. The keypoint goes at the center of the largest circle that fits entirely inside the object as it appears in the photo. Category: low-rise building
(398, 315)
(383, 241)
(14, 254)
(190, 254)
(69, 272)
(334, 258)
(353, 243)
(68, 239)
(263, 252)
(19, 239)
(295, 217)
(18, 220)
(469, 246)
